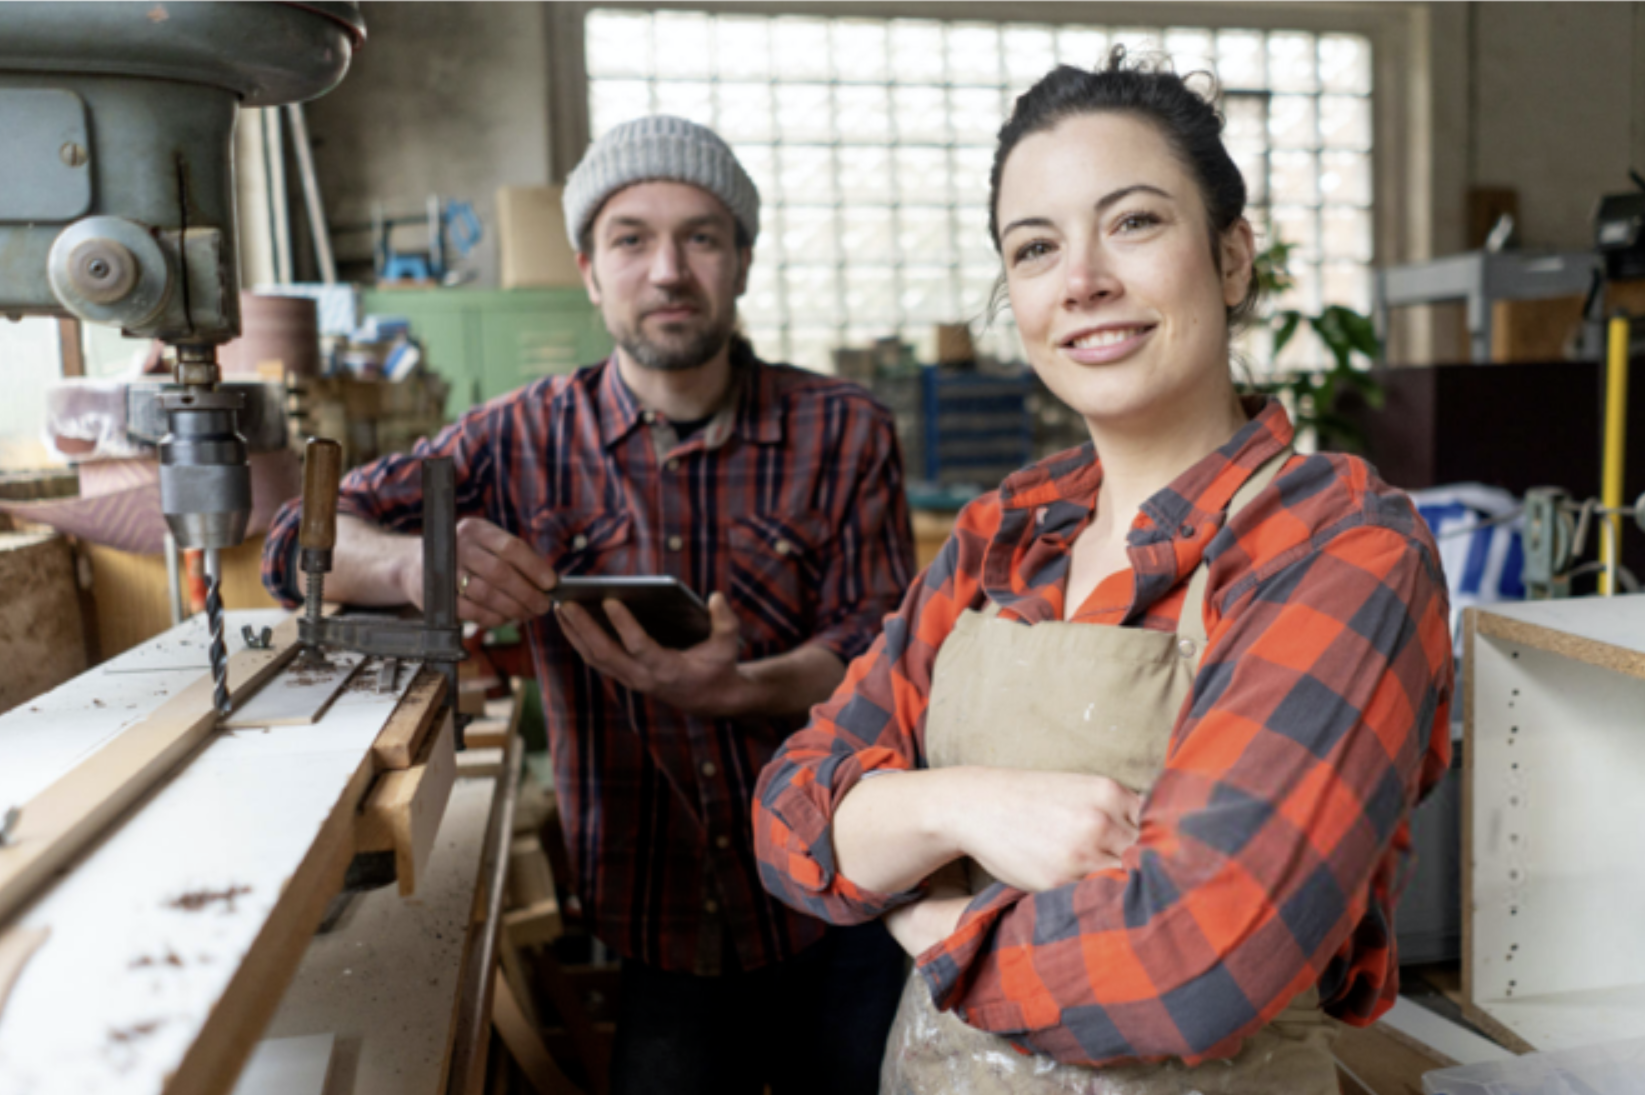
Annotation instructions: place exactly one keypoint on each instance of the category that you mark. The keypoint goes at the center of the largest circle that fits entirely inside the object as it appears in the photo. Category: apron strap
(1191, 625)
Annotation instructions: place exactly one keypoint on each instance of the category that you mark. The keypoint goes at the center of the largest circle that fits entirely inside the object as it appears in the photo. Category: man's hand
(702, 680)
(1040, 830)
(499, 578)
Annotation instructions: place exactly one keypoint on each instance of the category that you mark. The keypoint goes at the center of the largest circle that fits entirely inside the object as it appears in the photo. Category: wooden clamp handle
(322, 465)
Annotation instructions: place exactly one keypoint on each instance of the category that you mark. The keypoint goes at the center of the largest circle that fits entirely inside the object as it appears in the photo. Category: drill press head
(117, 194)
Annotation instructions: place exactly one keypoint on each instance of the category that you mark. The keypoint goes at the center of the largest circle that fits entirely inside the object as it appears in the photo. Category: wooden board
(298, 695)
(403, 736)
(1554, 825)
(500, 722)
(403, 811)
(1384, 1062)
(60, 821)
(41, 640)
(189, 931)
(385, 979)
(1605, 631)
(525, 1044)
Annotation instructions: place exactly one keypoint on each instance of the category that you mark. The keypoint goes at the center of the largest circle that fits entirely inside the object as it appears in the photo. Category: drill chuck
(205, 480)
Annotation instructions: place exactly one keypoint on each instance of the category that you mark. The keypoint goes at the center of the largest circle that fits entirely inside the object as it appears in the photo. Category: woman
(1168, 698)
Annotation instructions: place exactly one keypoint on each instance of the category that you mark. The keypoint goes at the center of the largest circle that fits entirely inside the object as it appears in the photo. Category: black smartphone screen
(668, 610)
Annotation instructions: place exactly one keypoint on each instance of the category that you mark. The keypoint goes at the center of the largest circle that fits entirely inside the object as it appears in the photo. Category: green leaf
(1362, 333)
(1329, 328)
(1288, 322)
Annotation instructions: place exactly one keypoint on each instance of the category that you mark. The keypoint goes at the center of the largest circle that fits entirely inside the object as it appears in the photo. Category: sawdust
(132, 1033)
(199, 899)
(170, 959)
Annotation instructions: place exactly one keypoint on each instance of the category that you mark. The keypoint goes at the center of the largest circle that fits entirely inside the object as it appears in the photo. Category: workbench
(157, 960)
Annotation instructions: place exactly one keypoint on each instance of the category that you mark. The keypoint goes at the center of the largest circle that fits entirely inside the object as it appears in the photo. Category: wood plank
(534, 925)
(298, 695)
(501, 722)
(530, 880)
(1383, 1061)
(409, 725)
(525, 1045)
(17, 946)
(62, 820)
(404, 809)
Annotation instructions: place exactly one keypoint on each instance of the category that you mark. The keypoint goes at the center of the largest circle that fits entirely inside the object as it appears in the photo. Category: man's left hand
(702, 680)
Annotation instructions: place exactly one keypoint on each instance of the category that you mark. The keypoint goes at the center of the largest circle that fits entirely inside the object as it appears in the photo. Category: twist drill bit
(214, 621)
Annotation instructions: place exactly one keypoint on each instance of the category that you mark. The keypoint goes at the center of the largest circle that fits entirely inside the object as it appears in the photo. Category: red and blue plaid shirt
(1272, 844)
(790, 502)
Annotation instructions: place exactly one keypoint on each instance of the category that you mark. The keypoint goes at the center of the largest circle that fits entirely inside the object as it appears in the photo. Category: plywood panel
(1555, 827)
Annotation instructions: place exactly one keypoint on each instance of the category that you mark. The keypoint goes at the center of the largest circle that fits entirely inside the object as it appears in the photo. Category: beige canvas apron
(1070, 697)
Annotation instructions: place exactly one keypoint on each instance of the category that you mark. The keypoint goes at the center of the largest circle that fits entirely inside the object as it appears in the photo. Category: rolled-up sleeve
(389, 492)
(874, 722)
(1263, 864)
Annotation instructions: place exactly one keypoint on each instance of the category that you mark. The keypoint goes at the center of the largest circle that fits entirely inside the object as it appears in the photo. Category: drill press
(117, 204)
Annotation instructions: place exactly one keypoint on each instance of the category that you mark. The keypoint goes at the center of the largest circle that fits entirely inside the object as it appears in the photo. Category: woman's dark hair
(1149, 90)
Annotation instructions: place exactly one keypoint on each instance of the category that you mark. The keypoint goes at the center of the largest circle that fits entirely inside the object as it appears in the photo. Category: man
(776, 491)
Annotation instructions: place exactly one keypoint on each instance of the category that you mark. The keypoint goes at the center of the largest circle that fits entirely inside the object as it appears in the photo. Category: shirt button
(649, 416)
(1187, 530)
(722, 842)
(711, 907)
(709, 768)
(673, 465)
(1186, 647)
(675, 543)
(784, 547)
(578, 543)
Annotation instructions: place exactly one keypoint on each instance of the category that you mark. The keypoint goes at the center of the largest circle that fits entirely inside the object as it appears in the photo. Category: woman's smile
(1108, 343)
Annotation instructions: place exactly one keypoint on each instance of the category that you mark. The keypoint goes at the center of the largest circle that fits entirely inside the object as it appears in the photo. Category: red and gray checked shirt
(790, 502)
(1272, 845)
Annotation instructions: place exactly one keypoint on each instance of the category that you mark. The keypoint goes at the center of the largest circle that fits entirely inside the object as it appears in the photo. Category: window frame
(1401, 141)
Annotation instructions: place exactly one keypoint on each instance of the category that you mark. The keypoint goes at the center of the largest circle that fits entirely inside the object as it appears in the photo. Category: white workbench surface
(149, 927)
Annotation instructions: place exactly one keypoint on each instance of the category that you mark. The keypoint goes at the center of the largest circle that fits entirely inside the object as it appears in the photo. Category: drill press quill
(117, 204)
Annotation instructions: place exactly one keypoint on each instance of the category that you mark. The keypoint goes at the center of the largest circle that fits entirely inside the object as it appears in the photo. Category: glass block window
(871, 142)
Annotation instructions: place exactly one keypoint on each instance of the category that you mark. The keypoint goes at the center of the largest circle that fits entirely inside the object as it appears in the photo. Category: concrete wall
(1558, 108)
(445, 98)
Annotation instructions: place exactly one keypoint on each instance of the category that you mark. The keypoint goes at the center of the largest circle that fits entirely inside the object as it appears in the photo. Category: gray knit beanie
(658, 147)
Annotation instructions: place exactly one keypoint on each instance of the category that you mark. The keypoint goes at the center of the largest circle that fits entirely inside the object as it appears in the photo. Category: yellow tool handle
(322, 466)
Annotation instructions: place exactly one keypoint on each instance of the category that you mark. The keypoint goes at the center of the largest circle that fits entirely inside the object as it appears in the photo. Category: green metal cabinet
(488, 342)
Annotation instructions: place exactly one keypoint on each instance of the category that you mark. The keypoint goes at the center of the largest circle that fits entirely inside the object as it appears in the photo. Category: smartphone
(670, 613)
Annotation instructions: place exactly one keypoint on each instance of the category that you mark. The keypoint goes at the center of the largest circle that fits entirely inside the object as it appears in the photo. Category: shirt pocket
(776, 570)
(580, 543)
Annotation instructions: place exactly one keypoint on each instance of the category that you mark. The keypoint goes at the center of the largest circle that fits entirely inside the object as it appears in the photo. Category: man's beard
(675, 355)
